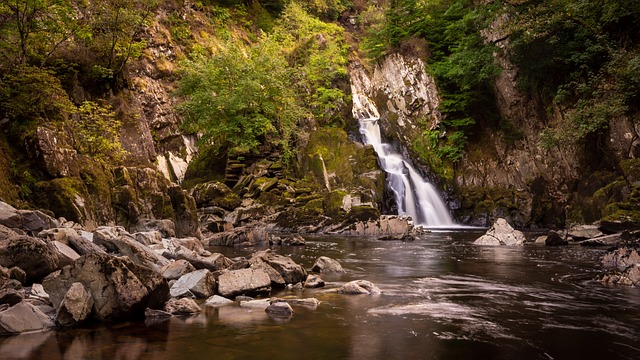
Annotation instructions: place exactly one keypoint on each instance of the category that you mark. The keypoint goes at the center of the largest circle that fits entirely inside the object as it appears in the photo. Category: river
(443, 298)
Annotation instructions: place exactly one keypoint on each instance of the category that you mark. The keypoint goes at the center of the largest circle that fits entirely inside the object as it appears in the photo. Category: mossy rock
(314, 206)
(631, 171)
(293, 218)
(362, 213)
(66, 197)
(209, 165)
(271, 199)
(332, 204)
(215, 193)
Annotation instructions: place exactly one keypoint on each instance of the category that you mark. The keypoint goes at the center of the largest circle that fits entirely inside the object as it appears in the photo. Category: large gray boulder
(200, 284)
(501, 233)
(243, 282)
(9, 216)
(66, 255)
(358, 287)
(120, 289)
(32, 255)
(291, 272)
(212, 262)
(23, 317)
(326, 264)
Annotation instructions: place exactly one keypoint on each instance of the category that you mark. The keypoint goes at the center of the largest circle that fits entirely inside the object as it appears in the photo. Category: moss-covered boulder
(215, 193)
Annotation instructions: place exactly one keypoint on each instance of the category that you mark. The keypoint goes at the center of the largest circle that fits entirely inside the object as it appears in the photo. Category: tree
(241, 98)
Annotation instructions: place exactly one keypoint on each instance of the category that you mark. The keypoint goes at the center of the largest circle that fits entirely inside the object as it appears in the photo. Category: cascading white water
(414, 196)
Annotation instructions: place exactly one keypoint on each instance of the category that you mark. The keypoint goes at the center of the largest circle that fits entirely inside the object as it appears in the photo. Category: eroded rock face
(501, 233)
(120, 289)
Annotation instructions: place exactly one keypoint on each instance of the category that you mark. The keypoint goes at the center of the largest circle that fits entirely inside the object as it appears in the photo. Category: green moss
(631, 171)
(362, 213)
(332, 204)
(60, 195)
(209, 165)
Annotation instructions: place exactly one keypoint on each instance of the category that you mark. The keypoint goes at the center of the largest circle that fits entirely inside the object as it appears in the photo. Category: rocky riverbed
(55, 273)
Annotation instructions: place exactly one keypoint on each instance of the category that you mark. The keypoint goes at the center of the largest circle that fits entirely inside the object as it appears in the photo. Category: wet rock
(307, 302)
(218, 301)
(501, 233)
(30, 254)
(405, 238)
(200, 283)
(243, 281)
(291, 272)
(324, 264)
(357, 287)
(291, 240)
(256, 304)
(120, 289)
(628, 277)
(313, 281)
(76, 306)
(183, 306)
(385, 225)
(175, 269)
(555, 238)
(622, 257)
(155, 313)
(282, 309)
(23, 317)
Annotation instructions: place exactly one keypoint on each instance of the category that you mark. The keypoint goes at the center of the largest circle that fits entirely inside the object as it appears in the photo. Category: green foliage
(578, 55)
(30, 94)
(240, 98)
(96, 132)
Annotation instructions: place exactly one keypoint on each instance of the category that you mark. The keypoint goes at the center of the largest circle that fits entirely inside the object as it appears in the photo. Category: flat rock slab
(243, 282)
(23, 317)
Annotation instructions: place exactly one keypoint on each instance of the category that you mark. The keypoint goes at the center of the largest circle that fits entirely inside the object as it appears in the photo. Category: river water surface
(443, 298)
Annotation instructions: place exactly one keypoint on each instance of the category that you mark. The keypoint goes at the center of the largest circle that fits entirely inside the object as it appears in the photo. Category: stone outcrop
(501, 233)
(386, 225)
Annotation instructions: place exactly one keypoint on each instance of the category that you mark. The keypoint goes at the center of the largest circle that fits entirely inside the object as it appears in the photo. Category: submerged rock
(555, 238)
(501, 233)
(279, 308)
(358, 287)
(313, 281)
(218, 301)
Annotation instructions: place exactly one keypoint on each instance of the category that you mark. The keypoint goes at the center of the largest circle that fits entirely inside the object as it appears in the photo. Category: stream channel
(443, 298)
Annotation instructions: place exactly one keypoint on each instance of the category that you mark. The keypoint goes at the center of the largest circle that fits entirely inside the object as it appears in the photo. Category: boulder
(200, 283)
(291, 272)
(385, 225)
(148, 237)
(501, 233)
(37, 292)
(76, 306)
(191, 243)
(280, 309)
(555, 238)
(11, 296)
(166, 228)
(239, 237)
(9, 216)
(313, 281)
(175, 269)
(606, 240)
(213, 262)
(18, 274)
(23, 317)
(32, 255)
(118, 241)
(243, 282)
(215, 194)
(357, 287)
(584, 232)
(6, 233)
(35, 221)
(120, 289)
(66, 255)
(325, 264)
(183, 306)
(628, 277)
(218, 301)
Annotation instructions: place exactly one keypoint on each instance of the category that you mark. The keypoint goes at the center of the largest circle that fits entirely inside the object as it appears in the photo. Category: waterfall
(414, 196)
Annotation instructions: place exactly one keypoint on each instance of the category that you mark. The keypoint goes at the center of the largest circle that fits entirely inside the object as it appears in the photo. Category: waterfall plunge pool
(443, 298)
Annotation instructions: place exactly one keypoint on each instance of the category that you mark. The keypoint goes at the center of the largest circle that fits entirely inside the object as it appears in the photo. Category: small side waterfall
(414, 196)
